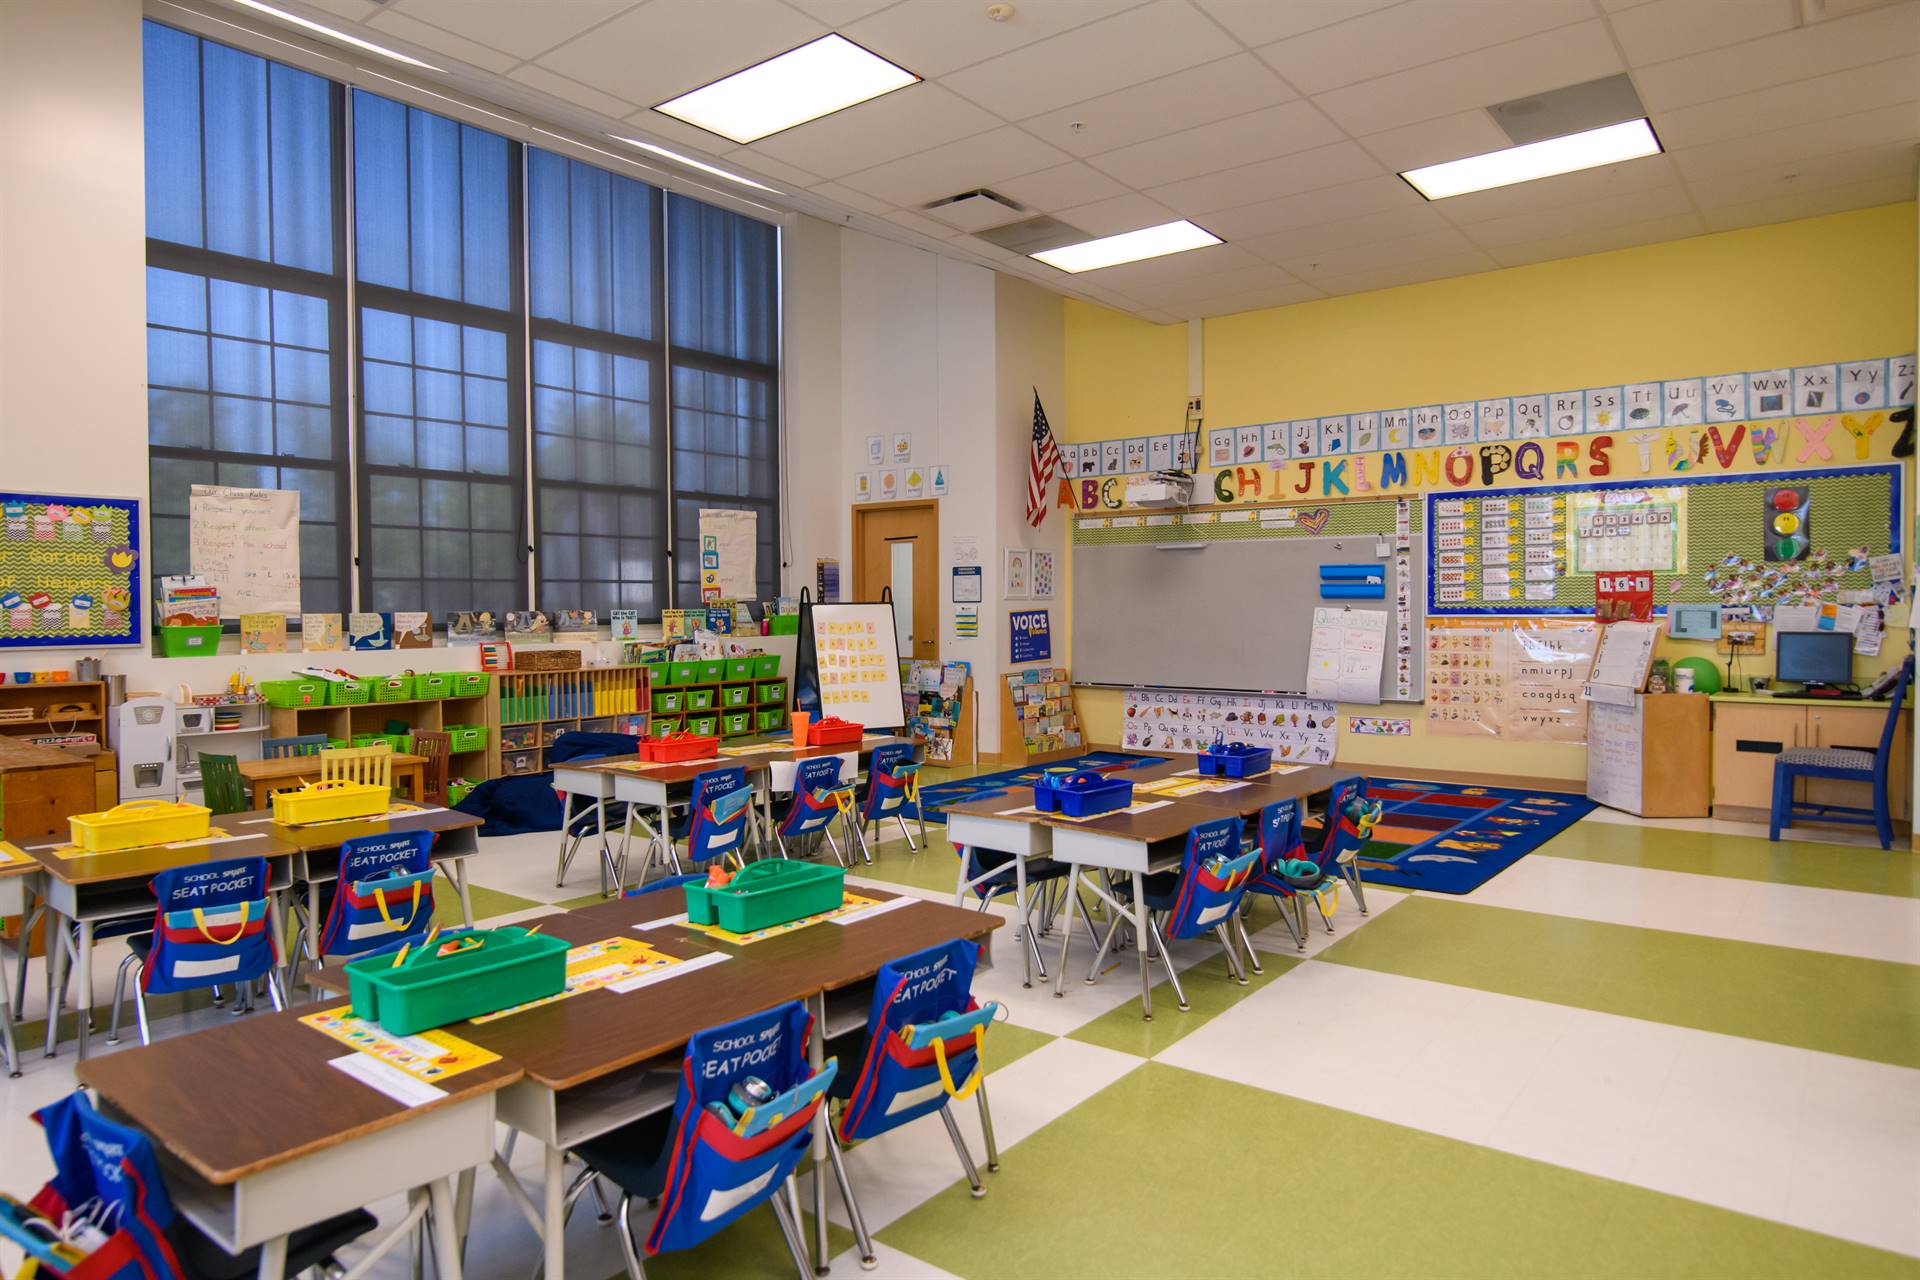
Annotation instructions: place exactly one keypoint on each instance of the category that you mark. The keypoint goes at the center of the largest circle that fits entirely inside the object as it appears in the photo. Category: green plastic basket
(188, 642)
(735, 723)
(510, 966)
(770, 693)
(466, 737)
(682, 673)
(435, 684)
(784, 624)
(712, 672)
(663, 725)
(700, 699)
(766, 666)
(335, 744)
(470, 684)
(669, 701)
(772, 718)
(764, 894)
(348, 693)
(704, 726)
(294, 693)
(393, 689)
(738, 669)
(733, 696)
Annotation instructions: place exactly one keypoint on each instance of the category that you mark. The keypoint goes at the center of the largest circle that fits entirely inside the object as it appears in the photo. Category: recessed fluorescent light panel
(817, 79)
(1129, 246)
(331, 34)
(691, 163)
(1628, 140)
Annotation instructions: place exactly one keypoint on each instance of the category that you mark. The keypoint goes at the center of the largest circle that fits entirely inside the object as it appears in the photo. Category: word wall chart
(1297, 730)
(1501, 551)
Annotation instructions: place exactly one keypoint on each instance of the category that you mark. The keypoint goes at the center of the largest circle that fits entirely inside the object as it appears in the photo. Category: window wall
(499, 377)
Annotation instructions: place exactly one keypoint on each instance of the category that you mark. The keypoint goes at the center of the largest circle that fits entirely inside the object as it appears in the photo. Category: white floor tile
(891, 1264)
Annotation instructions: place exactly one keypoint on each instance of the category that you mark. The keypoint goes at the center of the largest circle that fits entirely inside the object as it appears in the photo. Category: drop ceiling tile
(1609, 182)
(1061, 187)
(1834, 45)
(768, 167)
(666, 47)
(1550, 60)
(979, 161)
(1455, 264)
(650, 126)
(1577, 244)
(1811, 204)
(1214, 91)
(535, 76)
(1258, 135)
(1258, 22)
(1122, 213)
(1227, 304)
(1814, 138)
(1464, 133)
(1349, 200)
(392, 22)
(1670, 29)
(1620, 6)
(1343, 233)
(837, 13)
(1269, 179)
(1208, 284)
(1818, 97)
(887, 128)
(1640, 206)
(934, 37)
(1439, 242)
(1088, 61)
(353, 10)
(511, 26)
(1410, 35)
(921, 223)
(857, 200)
(1782, 178)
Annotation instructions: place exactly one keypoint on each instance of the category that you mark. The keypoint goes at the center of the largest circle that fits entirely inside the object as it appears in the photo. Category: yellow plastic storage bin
(330, 802)
(139, 823)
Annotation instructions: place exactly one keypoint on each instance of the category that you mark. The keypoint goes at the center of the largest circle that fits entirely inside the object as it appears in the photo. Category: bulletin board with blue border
(1848, 509)
(69, 571)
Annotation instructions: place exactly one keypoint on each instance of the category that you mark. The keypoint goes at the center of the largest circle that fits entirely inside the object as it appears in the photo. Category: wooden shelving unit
(431, 714)
(535, 707)
(768, 694)
(1013, 737)
(37, 700)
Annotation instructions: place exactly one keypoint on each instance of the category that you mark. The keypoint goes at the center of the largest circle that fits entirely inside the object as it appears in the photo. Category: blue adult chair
(818, 797)
(1203, 896)
(705, 1172)
(1845, 764)
(893, 791)
(214, 926)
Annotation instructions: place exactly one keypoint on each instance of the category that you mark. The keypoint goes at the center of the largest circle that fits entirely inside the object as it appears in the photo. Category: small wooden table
(264, 777)
(259, 1138)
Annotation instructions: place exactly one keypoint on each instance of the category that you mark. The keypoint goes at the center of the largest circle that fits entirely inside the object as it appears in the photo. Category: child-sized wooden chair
(221, 784)
(372, 764)
(305, 744)
(437, 749)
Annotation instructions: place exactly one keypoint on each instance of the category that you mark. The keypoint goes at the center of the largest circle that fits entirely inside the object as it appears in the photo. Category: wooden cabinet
(42, 788)
(1650, 757)
(1749, 731)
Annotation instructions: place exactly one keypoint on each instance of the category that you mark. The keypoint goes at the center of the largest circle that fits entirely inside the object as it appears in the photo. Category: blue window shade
(725, 454)
(724, 273)
(591, 237)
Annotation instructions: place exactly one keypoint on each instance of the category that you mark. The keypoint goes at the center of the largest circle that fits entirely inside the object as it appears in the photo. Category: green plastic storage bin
(294, 693)
(784, 624)
(682, 673)
(700, 699)
(335, 744)
(188, 642)
(669, 701)
(705, 726)
(398, 741)
(770, 693)
(664, 725)
(767, 893)
(735, 723)
(470, 684)
(713, 672)
(509, 966)
(766, 666)
(434, 684)
(772, 719)
(467, 737)
(734, 696)
(349, 693)
(393, 689)
(739, 669)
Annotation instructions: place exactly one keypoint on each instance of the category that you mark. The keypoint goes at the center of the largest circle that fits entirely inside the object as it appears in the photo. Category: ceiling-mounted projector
(1160, 489)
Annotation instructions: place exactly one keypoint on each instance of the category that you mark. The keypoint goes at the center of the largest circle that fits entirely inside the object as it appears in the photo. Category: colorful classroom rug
(1448, 838)
(936, 797)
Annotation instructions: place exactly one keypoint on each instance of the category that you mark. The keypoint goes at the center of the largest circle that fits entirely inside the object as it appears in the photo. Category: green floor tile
(487, 903)
(1260, 1184)
(1814, 1000)
(749, 1248)
(1008, 1042)
(1210, 992)
(1801, 862)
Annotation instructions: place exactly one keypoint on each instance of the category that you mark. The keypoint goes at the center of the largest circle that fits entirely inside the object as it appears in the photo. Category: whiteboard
(858, 656)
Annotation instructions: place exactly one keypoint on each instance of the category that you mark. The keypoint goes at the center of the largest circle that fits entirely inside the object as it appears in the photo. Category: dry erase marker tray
(330, 801)
(1082, 794)
(1235, 760)
(764, 894)
(459, 975)
(139, 823)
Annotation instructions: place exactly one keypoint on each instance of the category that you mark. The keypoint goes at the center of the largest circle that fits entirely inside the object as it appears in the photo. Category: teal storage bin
(767, 893)
(509, 966)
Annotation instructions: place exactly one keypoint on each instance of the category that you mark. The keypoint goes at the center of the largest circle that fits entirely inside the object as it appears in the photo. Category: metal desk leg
(817, 1056)
(1027, 941)
(1143, 943)
(12, 1049)
(553, 1230)
(313, 919)
(459, 876)
(666, 837)
(57, 946)
(1066, 933)
(273, 1259)
(85, 984)
(446, 1235)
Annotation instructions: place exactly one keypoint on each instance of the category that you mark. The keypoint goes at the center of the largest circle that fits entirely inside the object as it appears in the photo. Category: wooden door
(1746, 738)
(897, 545)
(1858, 729)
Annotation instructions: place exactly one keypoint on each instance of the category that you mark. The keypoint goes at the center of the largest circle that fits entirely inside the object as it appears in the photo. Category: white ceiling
(1277, 124)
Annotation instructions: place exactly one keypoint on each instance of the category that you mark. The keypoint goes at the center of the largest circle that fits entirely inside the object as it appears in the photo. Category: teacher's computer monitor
(1814, 657)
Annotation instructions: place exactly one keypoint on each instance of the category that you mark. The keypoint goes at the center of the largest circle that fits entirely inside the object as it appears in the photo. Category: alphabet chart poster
(1515, 678)
(69, 571)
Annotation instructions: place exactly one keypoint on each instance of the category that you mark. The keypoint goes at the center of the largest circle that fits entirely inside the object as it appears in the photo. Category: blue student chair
(988, 874)
(214, 926)
(706, 1172)
(305, 744)
(818, 798)
(383, 899)
(1280, 840)
(1844, 764)
(893, 791)
(925, 1050)
(578, 823)
(715, 824)
(1203, 896)
(1343, 833)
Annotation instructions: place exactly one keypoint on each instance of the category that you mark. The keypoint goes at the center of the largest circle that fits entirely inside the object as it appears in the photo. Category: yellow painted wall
(1816, 290)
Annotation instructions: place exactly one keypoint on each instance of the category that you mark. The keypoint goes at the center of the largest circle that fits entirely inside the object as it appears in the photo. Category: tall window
(550, 357)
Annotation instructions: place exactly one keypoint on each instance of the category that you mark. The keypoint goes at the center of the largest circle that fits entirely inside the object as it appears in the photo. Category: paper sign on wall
(246, 542)
(729, 553)
(1343, 662)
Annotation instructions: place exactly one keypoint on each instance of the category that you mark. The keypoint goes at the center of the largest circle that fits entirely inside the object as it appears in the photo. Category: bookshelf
(45, 710)
(1039, 718)
(535, 707)
(431, 714)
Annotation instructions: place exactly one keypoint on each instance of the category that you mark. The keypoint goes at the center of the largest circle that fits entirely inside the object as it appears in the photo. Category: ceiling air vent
(1574, 109)
(975, 210)
(1034, 235)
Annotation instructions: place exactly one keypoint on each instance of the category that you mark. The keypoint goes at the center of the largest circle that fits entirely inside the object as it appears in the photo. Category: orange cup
(800, 719)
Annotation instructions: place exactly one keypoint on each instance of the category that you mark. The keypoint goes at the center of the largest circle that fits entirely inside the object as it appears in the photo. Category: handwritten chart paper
(247, 543)
(1343, 662)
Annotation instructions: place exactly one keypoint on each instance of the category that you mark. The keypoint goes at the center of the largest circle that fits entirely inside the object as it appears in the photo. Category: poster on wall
(1032, 638)
(729, 553)
(1343, 660)
(69, 571)
(1513, 678)
(1042, 566)
(1296, 730)
(246, 543)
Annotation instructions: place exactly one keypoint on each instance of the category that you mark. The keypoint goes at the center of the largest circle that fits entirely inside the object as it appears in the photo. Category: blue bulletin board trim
(17, 577)
(1890, 471)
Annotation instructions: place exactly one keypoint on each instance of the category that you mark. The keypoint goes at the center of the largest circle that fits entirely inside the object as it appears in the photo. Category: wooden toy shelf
(431, 714)
(535, 707)
(25, 709)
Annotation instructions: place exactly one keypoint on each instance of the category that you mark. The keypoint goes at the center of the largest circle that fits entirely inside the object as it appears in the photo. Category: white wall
(1030, 347)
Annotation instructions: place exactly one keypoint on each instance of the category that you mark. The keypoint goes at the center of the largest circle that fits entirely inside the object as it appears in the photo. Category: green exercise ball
(1706, 673)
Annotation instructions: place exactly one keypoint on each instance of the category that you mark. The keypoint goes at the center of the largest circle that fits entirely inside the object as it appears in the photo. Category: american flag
(1043, 459)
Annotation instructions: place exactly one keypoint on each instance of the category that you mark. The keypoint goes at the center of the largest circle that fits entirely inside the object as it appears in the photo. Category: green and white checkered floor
(1644, 1050)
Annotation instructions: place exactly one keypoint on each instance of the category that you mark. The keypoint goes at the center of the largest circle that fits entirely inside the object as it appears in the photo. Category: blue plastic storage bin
(1082, 794)
(1234, 760)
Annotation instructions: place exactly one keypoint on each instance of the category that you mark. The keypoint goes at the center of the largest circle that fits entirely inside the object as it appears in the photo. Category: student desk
(595, 1061)
(85, 890)
(15, 869)
(259, 1138)
(264, 777)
